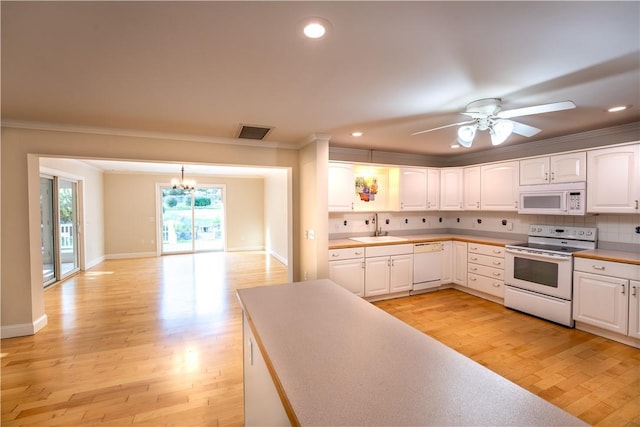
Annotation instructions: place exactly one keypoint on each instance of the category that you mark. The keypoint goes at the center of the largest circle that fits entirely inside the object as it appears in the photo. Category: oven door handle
(541, 256)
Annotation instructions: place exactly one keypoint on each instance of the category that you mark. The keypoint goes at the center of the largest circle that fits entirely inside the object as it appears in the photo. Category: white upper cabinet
(554, 169)
(613, 180)
(451, 186)
(499, 186)
(413, 189)
(471, 190)
(433, 189)
(341, 193)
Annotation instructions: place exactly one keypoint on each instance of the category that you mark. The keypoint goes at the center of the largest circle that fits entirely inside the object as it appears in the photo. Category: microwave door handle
(541, 256)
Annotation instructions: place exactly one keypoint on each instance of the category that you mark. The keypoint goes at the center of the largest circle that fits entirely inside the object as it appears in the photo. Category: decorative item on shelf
(187, 185)
(367, 188)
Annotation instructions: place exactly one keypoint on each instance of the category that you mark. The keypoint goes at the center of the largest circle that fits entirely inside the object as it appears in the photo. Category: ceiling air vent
(253, 132)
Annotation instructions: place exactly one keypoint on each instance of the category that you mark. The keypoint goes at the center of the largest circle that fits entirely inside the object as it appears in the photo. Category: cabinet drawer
(491, 250)
(347, 253)
(482, 270)
(607, 268)
(489, 261)
(486, 285)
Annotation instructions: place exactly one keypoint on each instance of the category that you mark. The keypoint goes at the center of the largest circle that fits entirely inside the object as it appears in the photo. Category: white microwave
(553, 199)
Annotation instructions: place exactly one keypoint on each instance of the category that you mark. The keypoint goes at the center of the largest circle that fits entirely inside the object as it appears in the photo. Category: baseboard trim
(131, 255)
(246, 248)
(23, 329)
(94, 262)
(280, 258)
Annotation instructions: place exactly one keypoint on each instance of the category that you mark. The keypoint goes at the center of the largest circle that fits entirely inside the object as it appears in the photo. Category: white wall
(276, 215)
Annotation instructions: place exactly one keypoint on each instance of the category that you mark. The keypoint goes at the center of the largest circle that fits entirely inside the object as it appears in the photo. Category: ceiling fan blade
(536, 109)
(443, 127)
(524, 130)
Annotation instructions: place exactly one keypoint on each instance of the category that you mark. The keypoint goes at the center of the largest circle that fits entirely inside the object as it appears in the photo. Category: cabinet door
(446, 263)
(499, 186)
(451, 189)
(341, 193)
(534, 171)
(376, 276)
(460, 263)
(413, 189)
(634, 309)
(471, 189)
(613, 180)
(600, 301)
(433, 189)
(570, 167)
(349, 274)
(401, 273)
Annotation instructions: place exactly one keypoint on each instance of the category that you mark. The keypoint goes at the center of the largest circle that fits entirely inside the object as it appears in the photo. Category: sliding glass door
(58, 228)
(192, 221)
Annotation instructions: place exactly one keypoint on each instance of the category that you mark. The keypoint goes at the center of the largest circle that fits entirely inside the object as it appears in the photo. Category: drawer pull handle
(497, 251)
(335, 255)
(473, 269)
(497, 263)
(623, 289)
(633, 290)
(473, 279)
(358, 253)
(598, 267)
(496, 285)
(473, 248)
(497, 274)
(473, 258)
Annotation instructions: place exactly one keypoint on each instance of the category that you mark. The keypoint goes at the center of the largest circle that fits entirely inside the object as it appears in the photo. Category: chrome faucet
(378, 231)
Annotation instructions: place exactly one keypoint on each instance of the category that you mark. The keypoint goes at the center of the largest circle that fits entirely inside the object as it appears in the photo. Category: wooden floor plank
(157, 341)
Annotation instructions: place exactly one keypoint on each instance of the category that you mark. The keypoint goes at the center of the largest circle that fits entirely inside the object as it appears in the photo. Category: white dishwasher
(427, 259)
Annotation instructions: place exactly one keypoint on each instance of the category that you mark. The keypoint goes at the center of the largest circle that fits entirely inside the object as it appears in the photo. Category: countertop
(609, 255)
(420, 238)
(342, 361)
(599, 254)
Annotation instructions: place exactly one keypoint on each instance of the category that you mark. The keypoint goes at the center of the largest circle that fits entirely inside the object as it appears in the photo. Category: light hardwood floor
(157, 341)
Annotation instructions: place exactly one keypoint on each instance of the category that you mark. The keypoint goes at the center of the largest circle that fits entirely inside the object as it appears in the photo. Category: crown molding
(95, 130)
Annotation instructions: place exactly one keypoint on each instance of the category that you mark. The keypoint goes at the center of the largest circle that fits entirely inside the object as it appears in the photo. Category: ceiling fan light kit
(487, 114)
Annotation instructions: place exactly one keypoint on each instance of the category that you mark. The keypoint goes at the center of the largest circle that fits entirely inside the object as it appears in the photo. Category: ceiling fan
(487, 114)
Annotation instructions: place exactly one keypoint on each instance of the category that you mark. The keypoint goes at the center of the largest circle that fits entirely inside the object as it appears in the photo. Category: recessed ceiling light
(356, 133)
(618, 108)
(316, 28)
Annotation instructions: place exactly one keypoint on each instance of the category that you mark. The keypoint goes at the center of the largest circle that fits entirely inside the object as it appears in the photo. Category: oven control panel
(561, 232)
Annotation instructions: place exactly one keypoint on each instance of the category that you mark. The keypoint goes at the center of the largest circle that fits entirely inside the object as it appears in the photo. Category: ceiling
(388, 69)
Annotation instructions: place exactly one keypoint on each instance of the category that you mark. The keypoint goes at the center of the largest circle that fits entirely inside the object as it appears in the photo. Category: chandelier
(187, 185)
(498, 129)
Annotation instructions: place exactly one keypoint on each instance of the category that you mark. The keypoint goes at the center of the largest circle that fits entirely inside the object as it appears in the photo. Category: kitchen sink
(378, 239)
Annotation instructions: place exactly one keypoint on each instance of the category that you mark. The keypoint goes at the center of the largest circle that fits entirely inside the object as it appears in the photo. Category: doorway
(59, 228)
(192, 221)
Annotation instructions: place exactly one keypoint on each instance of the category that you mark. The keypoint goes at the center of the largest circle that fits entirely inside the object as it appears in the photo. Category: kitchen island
(331, 358)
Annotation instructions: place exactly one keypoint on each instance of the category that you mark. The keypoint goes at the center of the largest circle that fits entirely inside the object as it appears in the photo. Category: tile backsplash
(614, 231)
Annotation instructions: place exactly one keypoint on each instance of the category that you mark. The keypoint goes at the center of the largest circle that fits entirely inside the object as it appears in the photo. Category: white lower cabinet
(605, 295)
(486, 269)
(262, 404)
(388, 269)
(346, 268)
(446, 263)
(459, 258)
(601, 301)
(634, 309)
